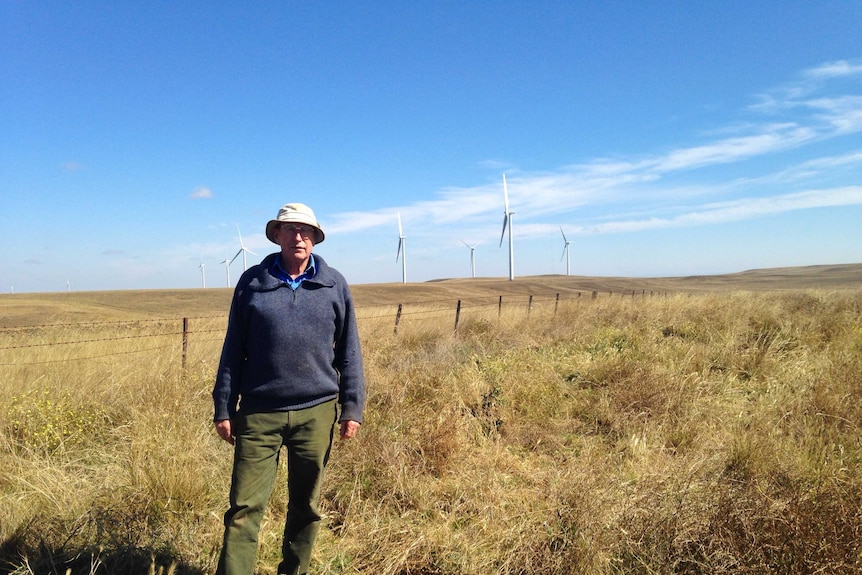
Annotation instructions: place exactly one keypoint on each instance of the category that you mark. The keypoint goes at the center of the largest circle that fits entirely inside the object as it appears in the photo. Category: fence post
(457, 314)
(530, 305)
(556, 304)
(397, 319)
(185, 340)
(500, 308)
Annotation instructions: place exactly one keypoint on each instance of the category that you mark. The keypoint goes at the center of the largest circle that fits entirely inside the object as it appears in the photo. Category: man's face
(296, 241)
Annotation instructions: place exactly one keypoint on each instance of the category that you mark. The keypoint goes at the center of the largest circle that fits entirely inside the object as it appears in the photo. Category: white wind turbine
(242, 250)
(472, 257)
(226, 263)
(566, 251)
(507, 223)
(203, 274)
(402, 251)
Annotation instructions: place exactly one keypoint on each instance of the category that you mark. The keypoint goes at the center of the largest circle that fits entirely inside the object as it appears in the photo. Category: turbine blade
(398, 253)
(564, 234)
(400, 231)
(506, 194)
(505, 223)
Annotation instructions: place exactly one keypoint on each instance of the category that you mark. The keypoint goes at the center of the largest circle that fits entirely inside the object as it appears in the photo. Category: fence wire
(18, 336)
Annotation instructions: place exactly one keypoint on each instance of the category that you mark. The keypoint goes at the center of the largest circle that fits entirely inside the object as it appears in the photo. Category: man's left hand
(349, 428)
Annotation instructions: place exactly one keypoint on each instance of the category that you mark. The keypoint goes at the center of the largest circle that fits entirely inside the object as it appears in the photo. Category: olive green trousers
(307, 435)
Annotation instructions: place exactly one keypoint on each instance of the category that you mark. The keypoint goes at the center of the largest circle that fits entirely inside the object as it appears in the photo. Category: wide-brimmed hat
(295, 214)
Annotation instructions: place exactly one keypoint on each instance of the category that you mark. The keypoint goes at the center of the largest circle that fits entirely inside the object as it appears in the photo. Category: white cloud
(837, 69)
(742, 209)
(843, 113)
(772, 139)
(201, 193)
(670, 189)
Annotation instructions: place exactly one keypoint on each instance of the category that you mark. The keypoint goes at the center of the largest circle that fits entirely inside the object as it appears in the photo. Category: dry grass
(712, 433)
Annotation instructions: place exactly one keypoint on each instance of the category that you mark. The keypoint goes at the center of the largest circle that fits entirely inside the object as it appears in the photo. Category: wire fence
(199, 337)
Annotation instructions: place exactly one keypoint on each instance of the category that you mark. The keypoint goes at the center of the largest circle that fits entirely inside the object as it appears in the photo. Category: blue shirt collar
(278, 271)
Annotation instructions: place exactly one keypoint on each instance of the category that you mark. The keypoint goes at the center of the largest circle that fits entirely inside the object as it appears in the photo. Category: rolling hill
(72, 307)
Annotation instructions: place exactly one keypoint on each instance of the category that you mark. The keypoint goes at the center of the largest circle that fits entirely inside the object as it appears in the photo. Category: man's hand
(349, 428)
(224, 428)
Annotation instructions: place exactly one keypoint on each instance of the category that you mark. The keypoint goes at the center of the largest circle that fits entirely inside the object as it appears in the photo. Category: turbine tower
(203, 274)
(507, 223)
(472, 257)
(565, 251)
(402, 251)
(226, 263)
(242, 250)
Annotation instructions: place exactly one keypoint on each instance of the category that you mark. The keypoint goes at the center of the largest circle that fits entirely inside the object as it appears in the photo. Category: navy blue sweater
(287, 349)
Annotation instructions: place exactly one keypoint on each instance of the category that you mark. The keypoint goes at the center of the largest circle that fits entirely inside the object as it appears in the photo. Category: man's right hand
(224, 428)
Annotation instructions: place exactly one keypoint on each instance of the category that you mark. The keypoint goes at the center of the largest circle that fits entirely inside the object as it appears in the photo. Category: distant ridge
(60, 307)
(831, 276)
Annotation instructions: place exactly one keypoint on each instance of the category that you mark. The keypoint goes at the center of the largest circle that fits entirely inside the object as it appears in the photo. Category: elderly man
(290, 368)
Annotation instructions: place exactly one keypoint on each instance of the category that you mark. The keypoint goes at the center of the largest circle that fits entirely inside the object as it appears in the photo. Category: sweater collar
(264, 279)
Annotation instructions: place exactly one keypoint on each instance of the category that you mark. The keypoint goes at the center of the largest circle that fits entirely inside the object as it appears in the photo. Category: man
(290, 368)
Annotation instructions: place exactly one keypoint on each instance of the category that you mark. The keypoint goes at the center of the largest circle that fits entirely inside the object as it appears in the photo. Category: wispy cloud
(201, 193)
(673, 188)
(771, 138)
(804, 92)
(837, 69)
(741, 209)
(843, 113)
(73, 166)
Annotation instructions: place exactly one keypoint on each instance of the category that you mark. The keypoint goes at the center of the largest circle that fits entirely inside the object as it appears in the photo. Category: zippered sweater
(290, 349)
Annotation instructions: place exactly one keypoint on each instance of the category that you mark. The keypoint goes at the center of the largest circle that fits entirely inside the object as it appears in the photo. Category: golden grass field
(665, 425)
(43, 308)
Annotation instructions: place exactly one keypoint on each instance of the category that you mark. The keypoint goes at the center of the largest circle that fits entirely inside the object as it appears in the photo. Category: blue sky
(665, 138)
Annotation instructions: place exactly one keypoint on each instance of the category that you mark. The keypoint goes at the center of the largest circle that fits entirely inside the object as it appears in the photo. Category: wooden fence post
(397, 320)
(530, 305)
(556, 304)
(500, 308)
(185, 340)
(457, 314)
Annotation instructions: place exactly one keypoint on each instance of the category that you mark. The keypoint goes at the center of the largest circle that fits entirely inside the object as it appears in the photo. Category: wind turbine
(402, 248)
(226, 263)
(203, 274)
(242, 250)
(472, 257)
(507, 223)
(565, 251)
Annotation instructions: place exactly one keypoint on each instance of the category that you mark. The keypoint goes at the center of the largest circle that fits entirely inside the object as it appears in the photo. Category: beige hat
(295, 214)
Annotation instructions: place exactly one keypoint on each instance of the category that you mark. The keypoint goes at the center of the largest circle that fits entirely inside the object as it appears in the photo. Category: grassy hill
(63, 307)
(715, 430)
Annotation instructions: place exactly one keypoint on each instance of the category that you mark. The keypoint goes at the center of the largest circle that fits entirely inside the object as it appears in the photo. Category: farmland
(613, 425)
